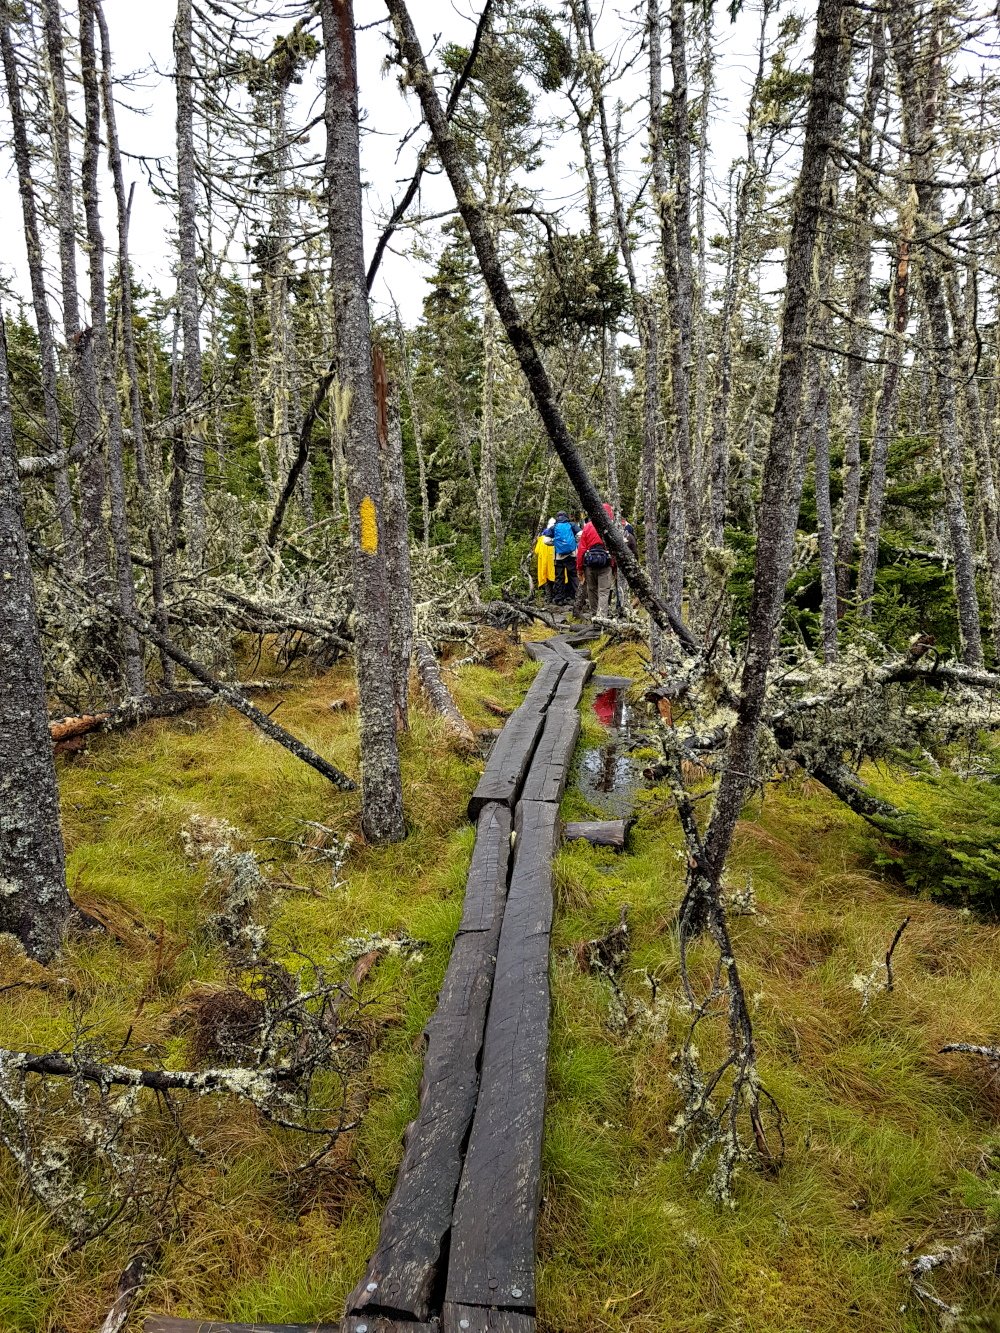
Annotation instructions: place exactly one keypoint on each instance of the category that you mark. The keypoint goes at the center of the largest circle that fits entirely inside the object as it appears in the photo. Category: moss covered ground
(891, 1146)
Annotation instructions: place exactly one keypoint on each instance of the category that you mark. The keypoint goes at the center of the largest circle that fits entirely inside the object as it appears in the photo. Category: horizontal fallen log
(133, 712)
(251, 1084)
(599, 833)
(429, 671)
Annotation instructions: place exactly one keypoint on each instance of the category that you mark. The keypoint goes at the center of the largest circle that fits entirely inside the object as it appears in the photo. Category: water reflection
(607, 775)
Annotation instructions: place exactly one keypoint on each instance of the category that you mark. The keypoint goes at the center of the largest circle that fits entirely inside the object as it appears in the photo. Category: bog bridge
(456, 1248)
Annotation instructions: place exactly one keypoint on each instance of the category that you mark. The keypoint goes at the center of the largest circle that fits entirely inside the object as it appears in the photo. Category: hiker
(564, 541)
(546, 555)
(594, 563)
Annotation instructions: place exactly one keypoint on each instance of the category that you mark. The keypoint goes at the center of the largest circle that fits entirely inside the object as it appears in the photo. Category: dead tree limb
(411, 57)
(437, 691)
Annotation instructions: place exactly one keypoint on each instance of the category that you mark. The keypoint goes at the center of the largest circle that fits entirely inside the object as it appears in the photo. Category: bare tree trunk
(681, 294)
(382, 794)
(487, 458)
(134, 671)
(187, 290)
(418, 438)
(705, 72)
(39, 298)
(745, 193)
(885, 415)
(861, 268)
(257, 396)
(78, 339)
(919, 100)
(823, 120)
(396, 528)
(34, 904)
(824, 517)
(609, 382)
(150, 481)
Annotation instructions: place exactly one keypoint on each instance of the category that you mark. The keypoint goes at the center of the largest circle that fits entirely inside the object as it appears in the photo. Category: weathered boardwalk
(456, 1248)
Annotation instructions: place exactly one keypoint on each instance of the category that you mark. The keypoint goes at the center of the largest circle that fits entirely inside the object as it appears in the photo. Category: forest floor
(892, 1148)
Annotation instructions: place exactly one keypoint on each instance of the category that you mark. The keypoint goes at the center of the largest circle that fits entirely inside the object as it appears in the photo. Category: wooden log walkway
(456, 1247)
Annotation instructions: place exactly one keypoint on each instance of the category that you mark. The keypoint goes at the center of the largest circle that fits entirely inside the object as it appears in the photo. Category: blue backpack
(565, 539)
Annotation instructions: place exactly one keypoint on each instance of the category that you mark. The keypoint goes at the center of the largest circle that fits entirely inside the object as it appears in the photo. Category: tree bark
(39, 298)
(919, 98)
(382, 794)
(78, 339)
(34, 903)
(886, 410)
(150, 480)
(397, 537)
(135, 678)
(861, 268)
(187, 290)
(429, 670)
(823, 120)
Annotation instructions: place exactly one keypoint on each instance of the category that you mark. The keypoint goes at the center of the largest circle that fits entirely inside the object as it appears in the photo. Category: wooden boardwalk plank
(547, 776)
(405, 1269)
(486, 886)
(476, 1319)
(370, 1324)
(507, 766)
(543, 687)
(492, 1261)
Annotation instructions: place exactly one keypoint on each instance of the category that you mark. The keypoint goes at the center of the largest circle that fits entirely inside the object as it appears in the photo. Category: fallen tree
(429, 671)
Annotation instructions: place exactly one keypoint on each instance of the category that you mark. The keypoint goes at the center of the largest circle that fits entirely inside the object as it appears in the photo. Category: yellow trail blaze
(369, 525)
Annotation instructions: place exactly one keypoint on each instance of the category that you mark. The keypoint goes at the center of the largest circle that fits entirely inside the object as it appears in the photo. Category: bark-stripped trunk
(718, 464)
(681, 293)
(920, 89)
(861, 269)
(487, 457)
(609, 382)
(396, 528)
(886, 411)
(150, 479)
(382, 795)
(79, 342)
(187, 291)
(824, 517)
(701, 324)
(963, 308)
(823, 120)
(519, 336)
(34, 904)
(418, 437)
(135, 678)
(39, 299)
(257, 396)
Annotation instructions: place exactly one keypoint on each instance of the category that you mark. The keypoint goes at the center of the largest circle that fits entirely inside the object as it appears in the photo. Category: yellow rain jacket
(546, 554)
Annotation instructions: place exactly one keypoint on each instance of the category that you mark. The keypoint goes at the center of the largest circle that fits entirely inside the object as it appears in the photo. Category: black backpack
(596, 556)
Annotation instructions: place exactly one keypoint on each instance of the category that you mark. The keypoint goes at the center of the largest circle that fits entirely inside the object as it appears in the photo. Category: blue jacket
(565, 539)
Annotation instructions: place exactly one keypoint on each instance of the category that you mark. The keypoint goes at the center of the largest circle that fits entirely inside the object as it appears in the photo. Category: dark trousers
(565, 592)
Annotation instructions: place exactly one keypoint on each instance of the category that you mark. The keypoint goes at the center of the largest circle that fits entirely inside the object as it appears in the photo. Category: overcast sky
(141, 41)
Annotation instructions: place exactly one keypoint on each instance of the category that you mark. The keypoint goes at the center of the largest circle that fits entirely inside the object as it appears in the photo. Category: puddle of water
(607, 775)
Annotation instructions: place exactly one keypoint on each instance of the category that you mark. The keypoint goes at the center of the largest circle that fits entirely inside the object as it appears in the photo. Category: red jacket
(590, 537)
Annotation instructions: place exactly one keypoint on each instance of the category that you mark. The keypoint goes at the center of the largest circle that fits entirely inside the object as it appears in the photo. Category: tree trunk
(824, 517)
(823, 120)
(382, 795)
(187, 290)
(886, 410)
(78, 339)
(418, 439)
(134, 672)
(34, 904)
(150, 479)
(861, 268)
(396, 528)
(429, 670)
(609, 379)
(39, 298)
(920, 89)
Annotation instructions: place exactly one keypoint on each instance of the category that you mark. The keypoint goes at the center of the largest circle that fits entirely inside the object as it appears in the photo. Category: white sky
(141, 40)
